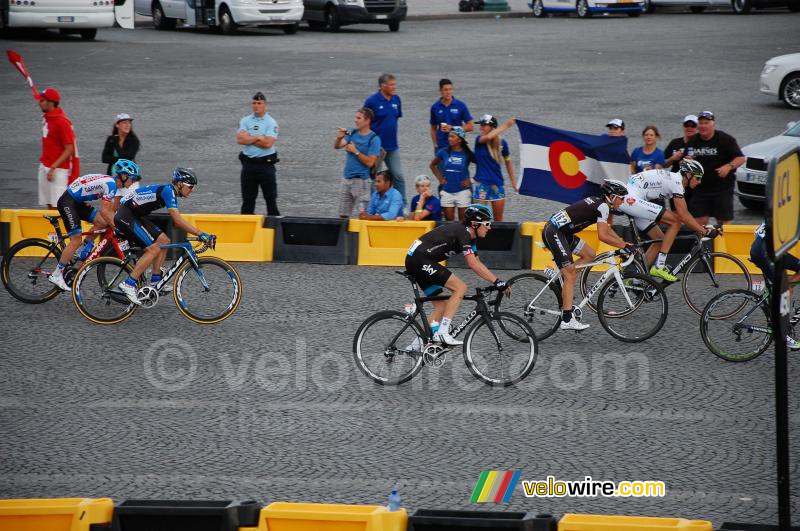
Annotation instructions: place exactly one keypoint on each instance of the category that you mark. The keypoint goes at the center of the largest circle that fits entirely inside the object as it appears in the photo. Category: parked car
(751, 178)
(226, 15)
(333, 14)
(586, 8)
(740, 7)
(781, 77)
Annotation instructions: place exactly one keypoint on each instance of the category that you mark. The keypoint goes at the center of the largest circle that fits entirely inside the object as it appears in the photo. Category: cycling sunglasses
(487, 224)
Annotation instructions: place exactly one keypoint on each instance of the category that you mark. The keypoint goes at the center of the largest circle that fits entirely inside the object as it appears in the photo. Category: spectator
(677, 146)
(386, 202)
(363, 147)
(720, 155)
(454, 191)
(648, 156)
(425, 205)
(446, 112)
(258, 133)
(616, 127)
(490, 152)
(387, 109)
(122, 143)
(58, 148)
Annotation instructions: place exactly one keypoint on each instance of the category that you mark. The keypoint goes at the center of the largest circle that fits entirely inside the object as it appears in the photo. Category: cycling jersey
(91, 187)
(146, 199)
(655, 184)
(761, 230)
(580, 215)
(444, 241)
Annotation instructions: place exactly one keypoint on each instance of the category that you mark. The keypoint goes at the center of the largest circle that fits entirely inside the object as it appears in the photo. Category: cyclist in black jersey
(559, 236)
(424, 255)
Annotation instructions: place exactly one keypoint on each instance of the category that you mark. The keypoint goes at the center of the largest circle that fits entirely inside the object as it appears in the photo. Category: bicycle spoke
(502, 355)
(634, 311)
(96, 293)
(208, 294)
(701, 284)
(735, 327)
(388, 361)
(535, 302)
(26, 267)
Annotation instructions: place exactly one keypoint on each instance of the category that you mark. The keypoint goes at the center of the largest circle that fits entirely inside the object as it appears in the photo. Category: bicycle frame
(107, 237)
(697, 249)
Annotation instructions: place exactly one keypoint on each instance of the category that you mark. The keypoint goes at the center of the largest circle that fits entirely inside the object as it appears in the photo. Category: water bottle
(394, 500)
(85, 250)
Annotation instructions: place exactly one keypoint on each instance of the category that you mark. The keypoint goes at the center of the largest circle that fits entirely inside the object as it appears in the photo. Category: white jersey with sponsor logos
(94, 186)
(656, 184)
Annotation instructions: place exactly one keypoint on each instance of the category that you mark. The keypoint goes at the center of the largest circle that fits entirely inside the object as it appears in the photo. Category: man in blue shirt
(386, 203)
(258, 133)
(446, 113)
(363, 147)
(387, 108)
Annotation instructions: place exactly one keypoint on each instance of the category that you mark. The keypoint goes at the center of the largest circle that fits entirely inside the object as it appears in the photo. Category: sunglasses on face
(487, 224)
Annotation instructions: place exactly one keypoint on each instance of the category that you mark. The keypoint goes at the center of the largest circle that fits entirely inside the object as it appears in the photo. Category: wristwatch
(357, 153)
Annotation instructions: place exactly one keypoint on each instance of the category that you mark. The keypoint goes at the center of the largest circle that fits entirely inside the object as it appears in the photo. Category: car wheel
(790, 90)
(88, 34)
(332, 19)
(291, 29)
(315, 24)
(649, 7)
(741, 7)
(752, 204)
(582, 7)
(160, 22)
(697, 9)
(226, 23)
(538, 9)
(394, 25)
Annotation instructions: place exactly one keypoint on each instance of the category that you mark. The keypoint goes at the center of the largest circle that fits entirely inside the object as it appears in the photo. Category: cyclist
(424, 255)
(647, 187)
(74, 207)
(132, 223)
(559, 236)
(132, 183)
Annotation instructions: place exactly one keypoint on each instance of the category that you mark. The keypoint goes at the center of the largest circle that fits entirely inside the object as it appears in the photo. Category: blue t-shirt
(646, 162)
(370, 145)
(388, 205)
(256, 126)
(387, 112)
(432, 205)
(488, 170)
(456, 113)
(456, 169)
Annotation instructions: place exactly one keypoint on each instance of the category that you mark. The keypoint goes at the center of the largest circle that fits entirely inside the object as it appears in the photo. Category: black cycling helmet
(477, 212)
(184, 175)
(692, 168)
(612, 187)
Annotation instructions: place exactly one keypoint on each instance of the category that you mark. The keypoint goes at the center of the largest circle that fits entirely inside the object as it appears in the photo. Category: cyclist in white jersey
(660, 185)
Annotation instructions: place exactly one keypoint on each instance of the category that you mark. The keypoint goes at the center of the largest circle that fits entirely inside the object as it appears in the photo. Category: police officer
(258, 133)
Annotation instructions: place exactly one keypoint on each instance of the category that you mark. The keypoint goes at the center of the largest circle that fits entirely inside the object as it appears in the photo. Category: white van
(68, 16)
(226, 15)
(586, 8)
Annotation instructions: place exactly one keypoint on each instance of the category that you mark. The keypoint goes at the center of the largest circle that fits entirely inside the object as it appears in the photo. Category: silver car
(751, 177)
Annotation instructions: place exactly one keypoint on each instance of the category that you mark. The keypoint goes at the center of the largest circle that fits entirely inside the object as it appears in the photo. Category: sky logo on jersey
(567, 166)
(495, 486)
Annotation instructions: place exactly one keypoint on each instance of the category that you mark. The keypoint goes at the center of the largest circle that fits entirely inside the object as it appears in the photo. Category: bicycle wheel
(26, 266)
(504, 357)
(209, 294)
(735, 327)
(635, 311)
(96, 294)
(700, 286)
(589, 277)
(387, 347)
(537, 304)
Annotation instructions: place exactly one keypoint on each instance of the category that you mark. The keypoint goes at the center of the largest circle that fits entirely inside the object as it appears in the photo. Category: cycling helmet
(184, 175)
(127, 167)
(692, 167)
(477, 212)
(612, 187)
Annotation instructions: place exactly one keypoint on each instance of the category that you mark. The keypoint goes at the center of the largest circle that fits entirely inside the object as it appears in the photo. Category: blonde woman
(491, 152)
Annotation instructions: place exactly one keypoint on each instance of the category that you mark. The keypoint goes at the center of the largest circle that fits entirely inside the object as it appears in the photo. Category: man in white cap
(676, 149)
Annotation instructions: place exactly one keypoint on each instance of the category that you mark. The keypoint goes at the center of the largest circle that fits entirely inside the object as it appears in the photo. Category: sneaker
(59, 281)
(661, 272)
(574, 324)
(130, 292)
(443, 336)
(415, 346)
(791, 344)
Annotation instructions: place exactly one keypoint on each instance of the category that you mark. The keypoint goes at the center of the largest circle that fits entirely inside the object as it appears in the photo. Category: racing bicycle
(206, 290)
(390, 347)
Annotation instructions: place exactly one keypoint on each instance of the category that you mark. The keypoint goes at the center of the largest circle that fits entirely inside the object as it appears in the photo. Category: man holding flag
(58, 148)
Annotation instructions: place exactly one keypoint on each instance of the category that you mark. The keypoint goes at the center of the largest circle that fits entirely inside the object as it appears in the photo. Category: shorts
(460, 199)
(73, 212)
(645, 214)
(488, 192)
(355, 191)
(717, 205)
(562, 246)
(50, 192)
(429, 274)
(136, 229)
(759, 256)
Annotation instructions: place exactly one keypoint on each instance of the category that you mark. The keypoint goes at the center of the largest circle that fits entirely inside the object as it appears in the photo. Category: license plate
(381, 17)
(66, 19)
(124, 245)
(53, 237)
(757, 178)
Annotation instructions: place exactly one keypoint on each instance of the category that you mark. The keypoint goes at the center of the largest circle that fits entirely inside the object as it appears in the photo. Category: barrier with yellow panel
(735, 240)
(58, 514)
(285, 516)
(597, 522)
(541, 257)
(30, 223)
(240, 238)
(385, 243)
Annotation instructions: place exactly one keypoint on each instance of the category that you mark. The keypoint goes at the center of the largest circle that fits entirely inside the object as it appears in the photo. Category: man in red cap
(58, 148)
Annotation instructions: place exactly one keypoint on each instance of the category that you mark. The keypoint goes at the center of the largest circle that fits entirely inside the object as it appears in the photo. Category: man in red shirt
(58, 148)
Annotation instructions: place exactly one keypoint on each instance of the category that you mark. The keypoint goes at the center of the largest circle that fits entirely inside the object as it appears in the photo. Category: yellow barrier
(385, 243)
(30, 223)
(240, 238)
(284, 516)
(596, 522)
(735, 240)
(59, 514)
(541, 257)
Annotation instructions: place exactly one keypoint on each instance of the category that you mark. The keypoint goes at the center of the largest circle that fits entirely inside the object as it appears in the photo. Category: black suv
(333, 14)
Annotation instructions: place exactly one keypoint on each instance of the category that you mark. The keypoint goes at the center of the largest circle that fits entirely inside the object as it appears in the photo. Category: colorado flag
(566, 166)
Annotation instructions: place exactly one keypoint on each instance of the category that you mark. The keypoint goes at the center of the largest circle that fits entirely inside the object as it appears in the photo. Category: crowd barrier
(284, 516)
(736, 240)
(439, 520)
(240, 238)
(597, 522)
(197, 515)
(56, 514)
(310, 240)
(385, 243)
(500, 249)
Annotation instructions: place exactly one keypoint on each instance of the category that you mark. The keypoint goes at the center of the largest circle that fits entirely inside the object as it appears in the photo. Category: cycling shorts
(429, 274)
(136, 229)
(645, 214)
(73, 212)
(562, 245)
